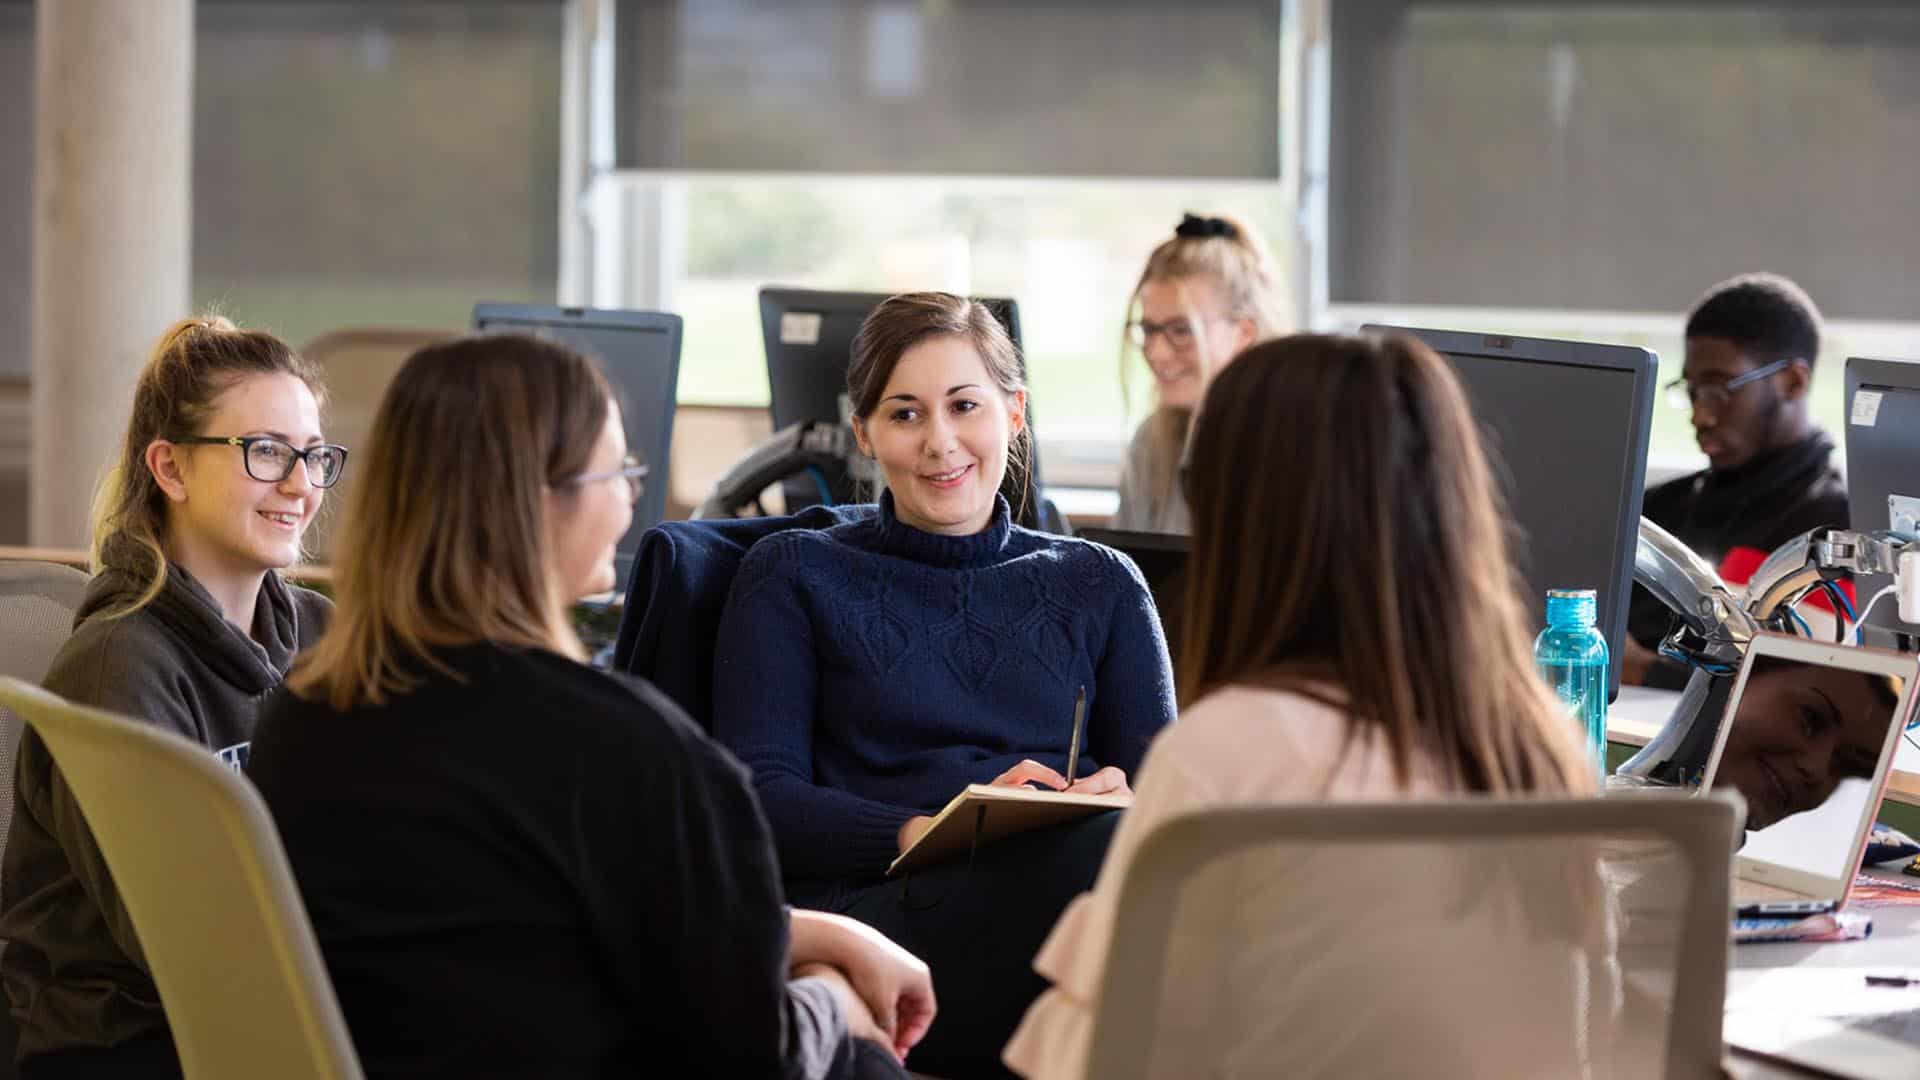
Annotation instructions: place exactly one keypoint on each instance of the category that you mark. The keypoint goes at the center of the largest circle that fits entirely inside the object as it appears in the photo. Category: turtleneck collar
(896, 537)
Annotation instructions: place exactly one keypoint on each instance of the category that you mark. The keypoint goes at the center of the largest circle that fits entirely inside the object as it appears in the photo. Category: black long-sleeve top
(531, 868)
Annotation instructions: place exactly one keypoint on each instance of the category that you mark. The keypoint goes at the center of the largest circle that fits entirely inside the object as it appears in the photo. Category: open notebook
(983, 813)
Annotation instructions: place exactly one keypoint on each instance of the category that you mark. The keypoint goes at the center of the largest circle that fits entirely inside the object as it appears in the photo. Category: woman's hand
(894, 987)
(1108, 781)
(910, 831)
(860, 1022)
(1031, 770)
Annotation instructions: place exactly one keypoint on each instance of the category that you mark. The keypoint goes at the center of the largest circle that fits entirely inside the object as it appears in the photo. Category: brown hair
(1372, 554)
(193, 363)
(901, 322)
(1224, 250)
(445, 531)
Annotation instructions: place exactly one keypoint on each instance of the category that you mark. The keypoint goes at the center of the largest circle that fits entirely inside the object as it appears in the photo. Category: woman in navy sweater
(869, 672)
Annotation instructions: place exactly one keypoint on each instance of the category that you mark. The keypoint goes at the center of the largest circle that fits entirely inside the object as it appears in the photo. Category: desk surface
(1639, 713)
(1894, 947)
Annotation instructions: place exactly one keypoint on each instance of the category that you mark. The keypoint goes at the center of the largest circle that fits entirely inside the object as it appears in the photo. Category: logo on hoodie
(235, 756)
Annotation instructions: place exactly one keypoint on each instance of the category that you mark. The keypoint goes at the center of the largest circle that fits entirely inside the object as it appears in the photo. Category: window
(1559, 167)
(1069, 253)
(1037, 150)
(1035, 87)
(362, 164)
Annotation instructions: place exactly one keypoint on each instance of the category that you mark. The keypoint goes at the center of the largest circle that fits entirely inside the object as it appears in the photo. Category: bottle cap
(1571, 607)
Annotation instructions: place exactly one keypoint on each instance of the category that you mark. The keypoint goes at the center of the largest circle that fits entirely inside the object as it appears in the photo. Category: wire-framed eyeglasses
(271, 460)
(1682, 394)
(630, 470)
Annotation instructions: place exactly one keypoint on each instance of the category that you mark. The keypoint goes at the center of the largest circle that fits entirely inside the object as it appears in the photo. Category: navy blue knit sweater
(868, 672)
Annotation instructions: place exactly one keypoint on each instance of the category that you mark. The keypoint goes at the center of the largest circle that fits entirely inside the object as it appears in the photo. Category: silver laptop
(1813, 732)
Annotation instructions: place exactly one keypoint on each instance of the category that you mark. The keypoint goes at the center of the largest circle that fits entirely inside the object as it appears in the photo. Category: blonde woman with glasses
(186, 625)
(1207, 292)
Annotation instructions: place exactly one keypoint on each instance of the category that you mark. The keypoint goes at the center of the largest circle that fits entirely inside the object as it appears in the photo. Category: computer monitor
(1883, 473)
(809, 339)
(640, 353)
(1566, 424)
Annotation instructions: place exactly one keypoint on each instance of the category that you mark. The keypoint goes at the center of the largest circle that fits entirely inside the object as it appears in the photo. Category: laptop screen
(1803, 749)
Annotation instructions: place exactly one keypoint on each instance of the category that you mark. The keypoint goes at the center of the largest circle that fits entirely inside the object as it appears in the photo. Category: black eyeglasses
(1682, 394)
(1179, 332)
(271, 460)
(630, 470)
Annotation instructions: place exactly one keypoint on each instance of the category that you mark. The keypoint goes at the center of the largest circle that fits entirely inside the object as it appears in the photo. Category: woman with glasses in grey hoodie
(186, 625)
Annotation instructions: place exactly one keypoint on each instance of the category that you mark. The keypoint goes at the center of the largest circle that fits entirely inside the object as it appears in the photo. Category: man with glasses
(1751, 346)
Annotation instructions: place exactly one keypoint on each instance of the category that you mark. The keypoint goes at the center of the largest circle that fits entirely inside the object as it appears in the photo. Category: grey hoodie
(73, 971)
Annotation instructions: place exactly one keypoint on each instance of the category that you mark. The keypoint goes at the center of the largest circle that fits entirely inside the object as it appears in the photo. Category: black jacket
(1760, 505)
(74, 972)
(525, 867)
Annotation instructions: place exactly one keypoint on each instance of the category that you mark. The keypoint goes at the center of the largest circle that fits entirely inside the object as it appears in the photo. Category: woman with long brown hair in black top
(517, 865)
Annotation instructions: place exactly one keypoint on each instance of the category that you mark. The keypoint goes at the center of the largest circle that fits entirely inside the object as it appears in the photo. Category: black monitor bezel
(1885, 373)
(779, 300)
(1644, 366)
(651, 510)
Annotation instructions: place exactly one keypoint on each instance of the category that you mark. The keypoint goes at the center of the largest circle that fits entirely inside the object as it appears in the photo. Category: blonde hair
(1377, 561)
(445, 530)
(194, 362)
(1224, 250)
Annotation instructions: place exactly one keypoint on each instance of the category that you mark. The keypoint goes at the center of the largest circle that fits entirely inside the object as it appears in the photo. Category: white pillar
(112, 214)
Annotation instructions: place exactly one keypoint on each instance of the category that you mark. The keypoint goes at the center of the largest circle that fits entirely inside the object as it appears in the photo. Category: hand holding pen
(1105, 781)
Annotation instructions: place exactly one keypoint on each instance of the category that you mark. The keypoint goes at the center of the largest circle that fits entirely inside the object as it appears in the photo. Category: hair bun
(1193, 225)
(196, 324)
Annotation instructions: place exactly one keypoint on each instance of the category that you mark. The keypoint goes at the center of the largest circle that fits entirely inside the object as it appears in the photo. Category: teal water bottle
(1572, 656)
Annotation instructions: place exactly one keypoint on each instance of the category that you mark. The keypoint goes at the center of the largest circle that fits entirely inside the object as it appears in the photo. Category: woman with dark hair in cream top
(1352, 631)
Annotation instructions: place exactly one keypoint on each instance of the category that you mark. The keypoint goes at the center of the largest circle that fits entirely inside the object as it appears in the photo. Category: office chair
(1458, 938)
(200, 866)
(37, 602)
(678, 590)
(356, 365)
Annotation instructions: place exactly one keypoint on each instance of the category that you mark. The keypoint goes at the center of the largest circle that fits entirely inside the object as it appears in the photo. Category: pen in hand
(1079, 727)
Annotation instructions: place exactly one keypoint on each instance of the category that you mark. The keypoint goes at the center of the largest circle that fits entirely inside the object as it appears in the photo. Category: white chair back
(200, 867)
(1458, 938)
